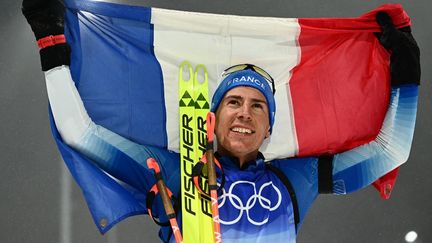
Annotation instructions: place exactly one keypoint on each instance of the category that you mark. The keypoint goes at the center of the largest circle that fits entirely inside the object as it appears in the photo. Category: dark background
(40, 203)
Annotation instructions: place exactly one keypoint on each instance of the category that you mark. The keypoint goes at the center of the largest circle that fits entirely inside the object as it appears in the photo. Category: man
(259, 201)
(245, 110)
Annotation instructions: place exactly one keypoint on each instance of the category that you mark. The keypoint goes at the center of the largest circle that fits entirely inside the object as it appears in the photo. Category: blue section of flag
(115, 70)
(120, 82)
(109, 202)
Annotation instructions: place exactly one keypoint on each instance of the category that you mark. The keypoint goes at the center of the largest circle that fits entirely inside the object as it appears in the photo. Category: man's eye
(233, 102)
(257, 105)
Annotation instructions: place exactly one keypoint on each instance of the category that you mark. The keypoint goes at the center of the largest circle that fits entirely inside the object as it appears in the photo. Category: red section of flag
(386, 183)
(340, 89)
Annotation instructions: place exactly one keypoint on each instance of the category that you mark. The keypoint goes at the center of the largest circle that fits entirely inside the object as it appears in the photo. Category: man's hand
(405, 54)
(46, 18)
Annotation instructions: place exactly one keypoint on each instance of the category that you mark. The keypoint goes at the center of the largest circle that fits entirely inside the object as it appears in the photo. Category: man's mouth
(242, 130)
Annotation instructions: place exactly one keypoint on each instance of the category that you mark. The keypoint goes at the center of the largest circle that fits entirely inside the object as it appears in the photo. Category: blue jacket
(255, 204)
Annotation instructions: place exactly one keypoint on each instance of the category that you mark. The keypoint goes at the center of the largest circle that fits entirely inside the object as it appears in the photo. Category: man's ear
(267, 134)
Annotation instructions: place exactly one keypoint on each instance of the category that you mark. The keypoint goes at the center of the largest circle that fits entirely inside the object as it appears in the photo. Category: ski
(202, 107)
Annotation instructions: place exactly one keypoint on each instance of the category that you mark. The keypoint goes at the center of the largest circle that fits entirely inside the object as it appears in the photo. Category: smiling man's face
(242, 123)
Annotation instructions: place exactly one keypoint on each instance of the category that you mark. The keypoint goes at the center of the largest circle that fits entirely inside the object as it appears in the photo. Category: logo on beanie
(247, 79)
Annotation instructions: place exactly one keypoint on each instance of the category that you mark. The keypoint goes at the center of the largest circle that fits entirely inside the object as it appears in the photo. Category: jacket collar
(228, 162)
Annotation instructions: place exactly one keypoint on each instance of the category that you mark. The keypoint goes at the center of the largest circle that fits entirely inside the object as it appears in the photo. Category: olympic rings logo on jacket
(251, 202)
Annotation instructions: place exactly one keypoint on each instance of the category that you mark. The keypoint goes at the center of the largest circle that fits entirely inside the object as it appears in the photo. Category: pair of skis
(199, 211)
(200, 216)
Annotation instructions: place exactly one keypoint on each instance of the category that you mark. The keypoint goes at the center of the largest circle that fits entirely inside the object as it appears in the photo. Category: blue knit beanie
(248, 78)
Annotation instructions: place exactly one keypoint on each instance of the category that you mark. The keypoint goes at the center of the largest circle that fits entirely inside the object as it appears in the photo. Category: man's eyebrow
(239, 97)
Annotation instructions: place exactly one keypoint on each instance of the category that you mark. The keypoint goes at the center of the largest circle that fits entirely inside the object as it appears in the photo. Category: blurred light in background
(411, 236)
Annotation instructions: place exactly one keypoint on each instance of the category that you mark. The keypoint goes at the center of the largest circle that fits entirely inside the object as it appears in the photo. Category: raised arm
(122, 159)
(358, 168)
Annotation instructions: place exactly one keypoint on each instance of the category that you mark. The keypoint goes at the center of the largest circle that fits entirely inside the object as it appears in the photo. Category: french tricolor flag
(332, 75)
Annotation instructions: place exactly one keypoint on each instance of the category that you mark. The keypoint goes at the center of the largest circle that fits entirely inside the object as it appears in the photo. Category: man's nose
(245, 112)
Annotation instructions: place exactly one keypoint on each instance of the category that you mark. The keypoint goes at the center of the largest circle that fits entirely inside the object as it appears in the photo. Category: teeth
(241, 130)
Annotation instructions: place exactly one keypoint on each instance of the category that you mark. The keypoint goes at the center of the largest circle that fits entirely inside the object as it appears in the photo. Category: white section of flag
(220, 41)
